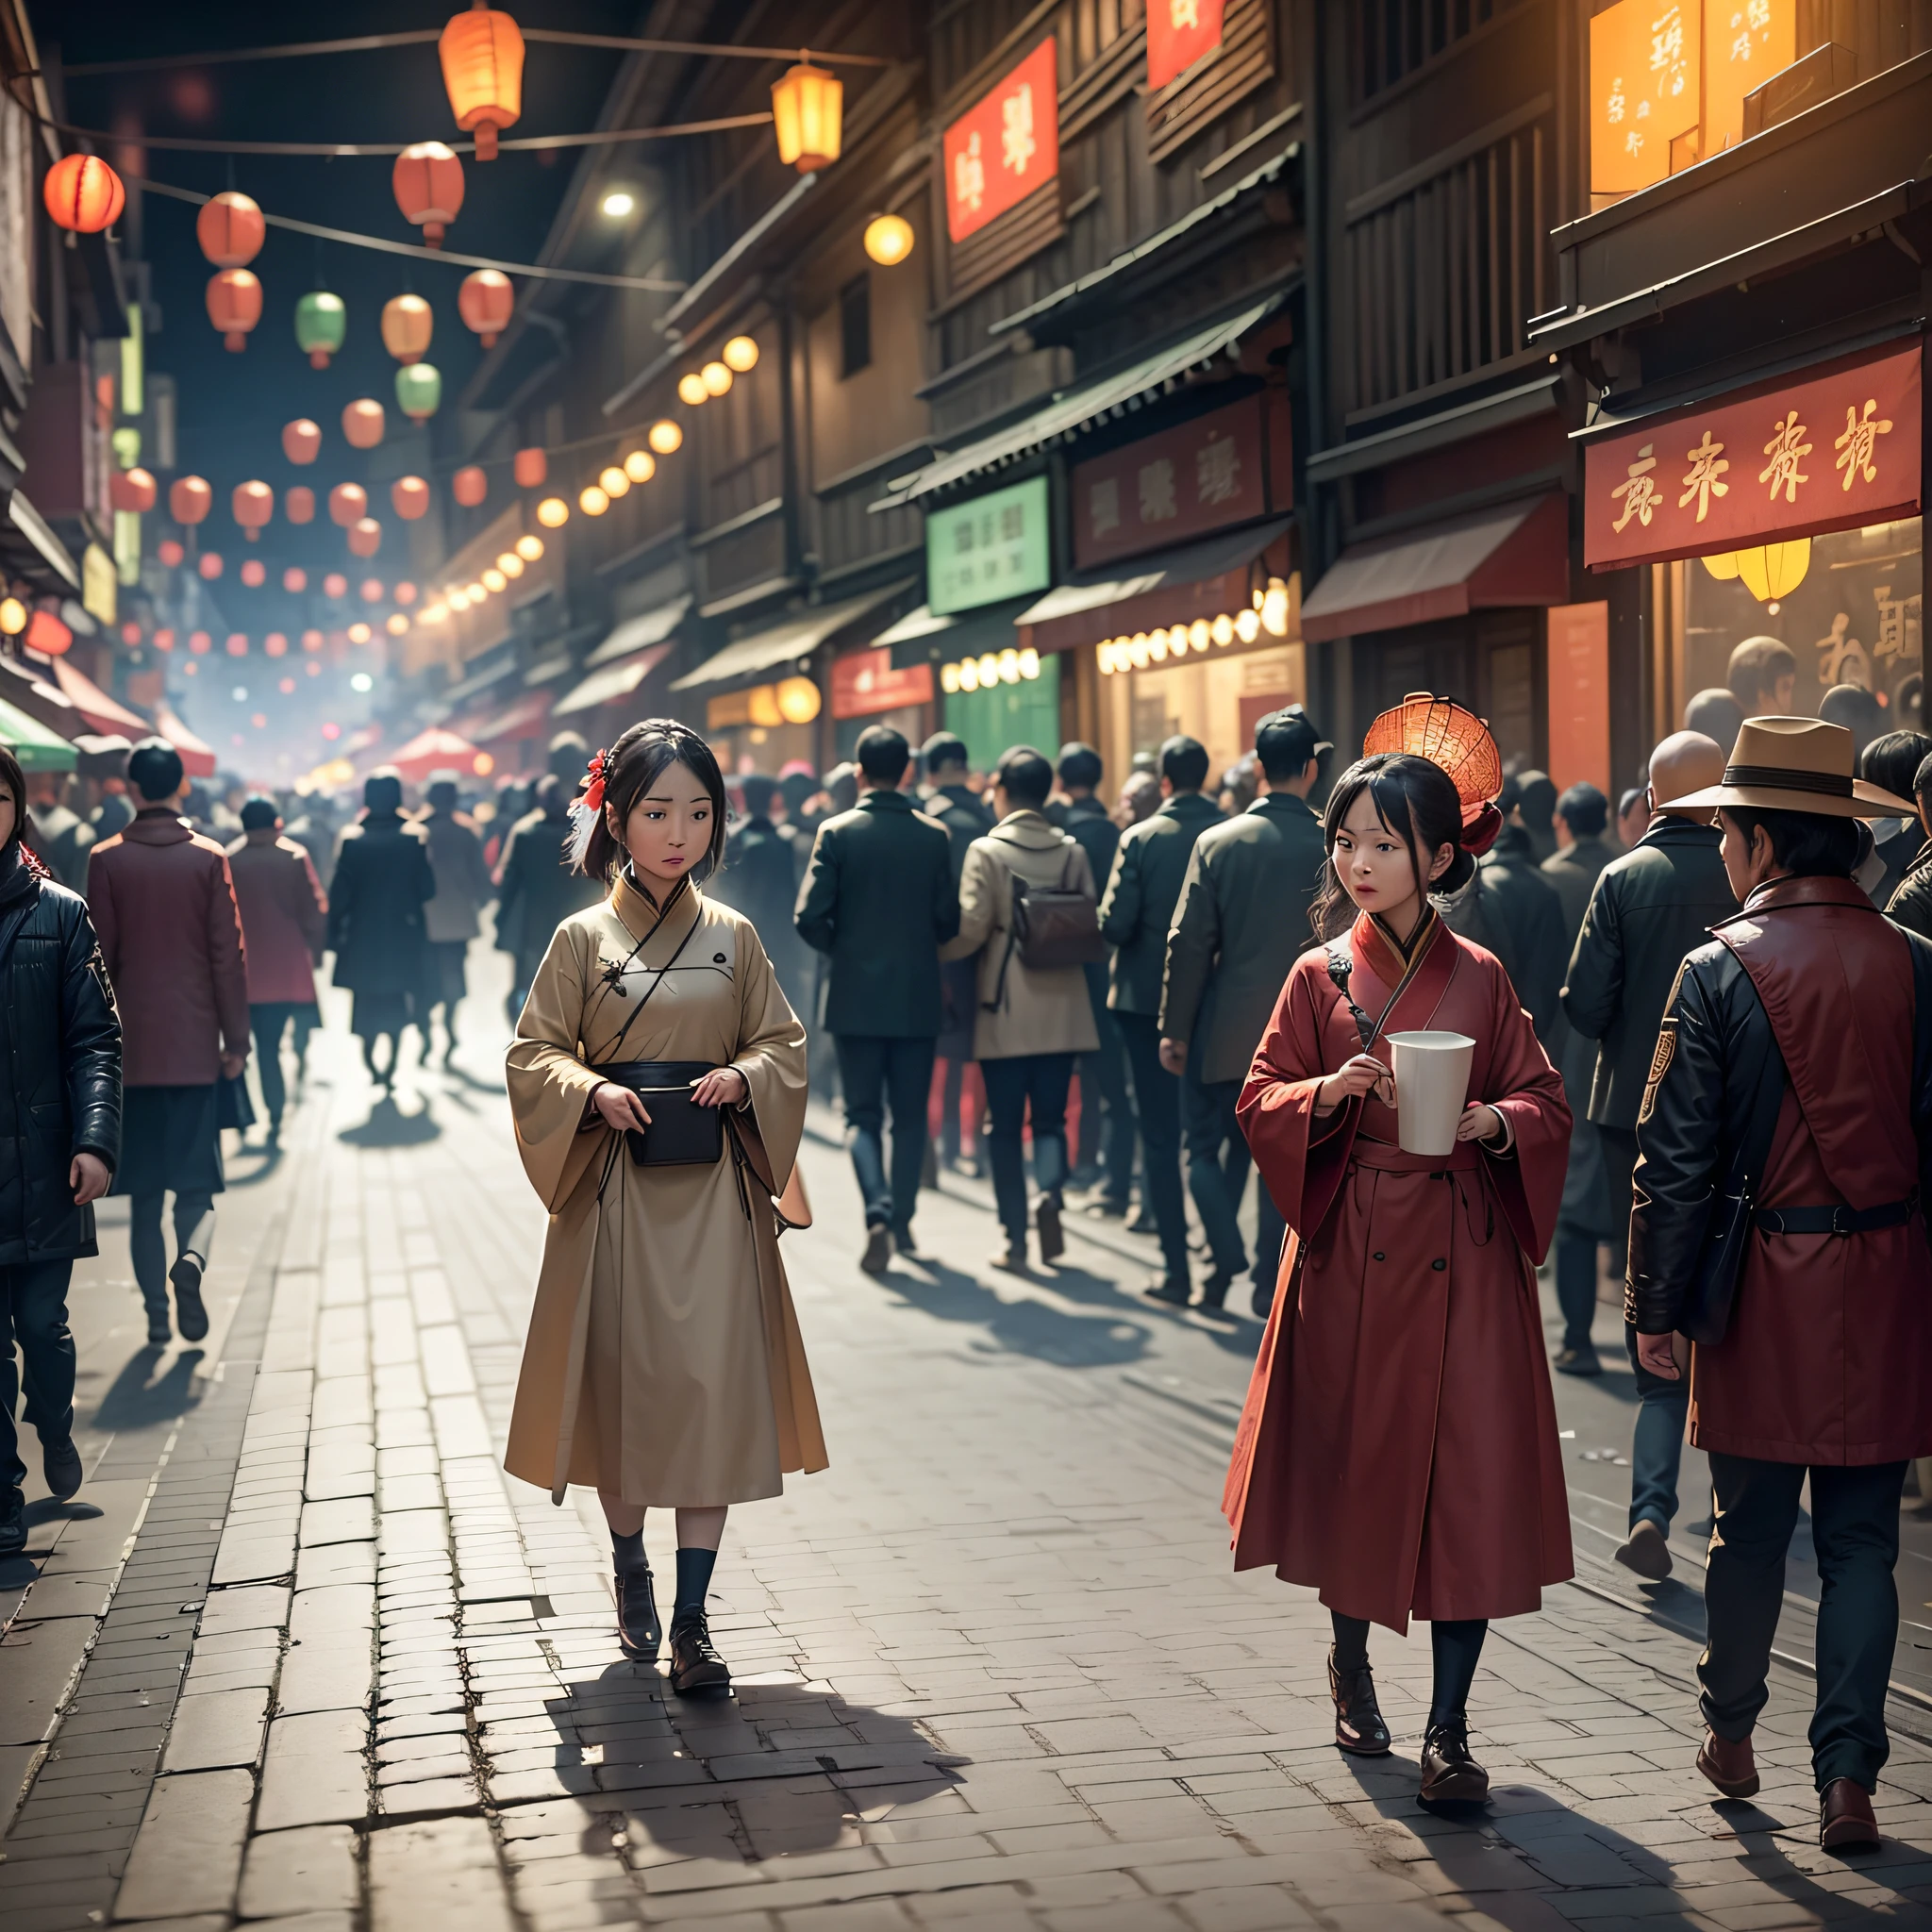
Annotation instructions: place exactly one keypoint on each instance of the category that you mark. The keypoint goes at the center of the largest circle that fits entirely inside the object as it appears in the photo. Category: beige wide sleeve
(771, 1056)
(550, 1087)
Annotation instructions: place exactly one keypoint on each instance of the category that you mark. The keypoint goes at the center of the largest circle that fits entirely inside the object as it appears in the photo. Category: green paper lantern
(419, 391)
(321, 322)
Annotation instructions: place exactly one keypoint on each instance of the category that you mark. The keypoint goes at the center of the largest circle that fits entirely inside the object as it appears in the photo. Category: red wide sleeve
(1300, 1158)
(1522, 1085)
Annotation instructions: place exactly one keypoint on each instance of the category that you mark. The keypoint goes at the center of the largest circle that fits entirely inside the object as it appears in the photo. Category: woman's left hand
(721, 1087)
(1479, 1123)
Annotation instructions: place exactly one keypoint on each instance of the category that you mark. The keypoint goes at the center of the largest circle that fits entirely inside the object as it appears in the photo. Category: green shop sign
(993, 547)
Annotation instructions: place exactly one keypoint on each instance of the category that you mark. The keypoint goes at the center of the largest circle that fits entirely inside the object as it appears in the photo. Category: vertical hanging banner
(1178, 33)
(1006, 146)
(1645, 82)
(1745, 43)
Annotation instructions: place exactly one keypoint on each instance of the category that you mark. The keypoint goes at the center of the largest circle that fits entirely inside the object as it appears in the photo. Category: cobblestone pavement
(318, 1661)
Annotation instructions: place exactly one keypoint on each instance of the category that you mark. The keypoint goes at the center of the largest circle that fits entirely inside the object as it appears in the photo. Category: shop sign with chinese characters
(993, 547)
(864, 683)
(1004, 146)
(1645, 65)
(1178, 33)
(1827, 454)
(1203, 476)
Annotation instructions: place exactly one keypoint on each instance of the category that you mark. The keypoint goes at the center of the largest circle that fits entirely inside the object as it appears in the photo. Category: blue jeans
(1218, 1163)
(1040, 1080)
(873, 1073)
(1158, 1101)
(33, 1310)
(1657, 1445)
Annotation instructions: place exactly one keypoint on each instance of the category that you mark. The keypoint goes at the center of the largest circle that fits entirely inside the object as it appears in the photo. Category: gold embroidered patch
(1660, 1066)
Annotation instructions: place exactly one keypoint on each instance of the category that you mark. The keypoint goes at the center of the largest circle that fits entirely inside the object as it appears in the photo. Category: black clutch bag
(682, 1133)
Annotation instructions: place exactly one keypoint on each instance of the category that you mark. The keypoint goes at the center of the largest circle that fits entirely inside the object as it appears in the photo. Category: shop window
(1392, 38)
(854, 325)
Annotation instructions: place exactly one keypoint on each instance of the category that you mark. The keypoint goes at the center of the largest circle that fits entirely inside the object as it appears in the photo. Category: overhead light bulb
(552, 513)
(692, 390)
(888, 240)
(459, 600)
(614, 483)
(1275, 609)
(362, 681)
(1247, 624)
(716, 378)
(740, 352)
(617, 203)
(640, 466)
(511, 564)
(1222, 630)
(531, 548)
(495, 580)
(593, 501)
(395, 623)
(360, 634)
(12, 616)
(666, 436)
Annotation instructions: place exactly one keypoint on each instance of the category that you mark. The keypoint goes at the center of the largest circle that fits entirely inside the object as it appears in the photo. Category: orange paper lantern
(254, 573)
(428, 183)
(132, 491)
(275, 644)
(230, 229)
(294, 579)
(362, 422)
(312, 640)
(410, 497)
(163, 639)
(482, 53)
(405, 593)
(302, 441)
(170, 553)
(365, 536)
(190, 499)
(234, 305)
(200, 642)
(48, 635)
(334, 585)
(348, 503)
(407, 322)
(211, 564)
(485, 301)
(298, 504)
(531, 469)
(469, 486)
(371, 589)
(83, 194)
(253, 504)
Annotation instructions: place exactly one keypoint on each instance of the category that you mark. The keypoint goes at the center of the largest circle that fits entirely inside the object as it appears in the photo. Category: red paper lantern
(230, 229)
(485, 302)
(200, 642)
(48, 635)
(275, 644)
(298, 504)
(365, 536)
(362, 423)
(312, 640)
(428, 183)
(254, 573)
(163, 639)
(405, 593)
(531, 469)
(302, 441)
(234, 305)
(238, 644)
(347, 504)
(408, 323)
(132, 491)
(334, 585)
(253, 504)
(190, 499)
(410, 497)
(131, 633)
(83, 194)
(295, 580)
(470, 486)
(372, 590)
(211, 564)
(482, 56)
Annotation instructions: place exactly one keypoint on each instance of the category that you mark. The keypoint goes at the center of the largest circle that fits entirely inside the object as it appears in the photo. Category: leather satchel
(1056, 926)
(682, 1133)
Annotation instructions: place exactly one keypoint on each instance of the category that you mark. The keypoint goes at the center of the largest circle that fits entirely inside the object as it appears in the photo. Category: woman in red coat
(1399, 1447)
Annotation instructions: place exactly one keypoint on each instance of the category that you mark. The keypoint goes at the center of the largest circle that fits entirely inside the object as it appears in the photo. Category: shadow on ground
(136, 1398)
(388, 1125)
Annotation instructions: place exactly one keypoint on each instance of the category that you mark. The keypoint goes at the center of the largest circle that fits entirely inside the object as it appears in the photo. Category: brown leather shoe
(1449, 1775)
(1359, 1728)
(1731, 1767)
(1844, 1816)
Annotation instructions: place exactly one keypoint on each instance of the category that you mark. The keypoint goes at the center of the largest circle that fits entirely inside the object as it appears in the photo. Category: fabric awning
(921, 638)
(1518, 554)
(45, 704)
(30, 539)
(197, 759)
(431, 751)
(101, 711)
(639, 633)
(797, 636)
(37, 748)
(525, 718)
(613, 681)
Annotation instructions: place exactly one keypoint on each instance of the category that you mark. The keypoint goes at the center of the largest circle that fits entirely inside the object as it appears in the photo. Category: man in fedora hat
(1784, 1137)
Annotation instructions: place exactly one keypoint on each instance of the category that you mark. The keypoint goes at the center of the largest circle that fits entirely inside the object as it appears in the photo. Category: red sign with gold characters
(864, 682)
(1004, 146)
(1178, 33)
(1826, 453)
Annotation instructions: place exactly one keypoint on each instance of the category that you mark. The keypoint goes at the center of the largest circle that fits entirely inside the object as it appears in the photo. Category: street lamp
(808, 114)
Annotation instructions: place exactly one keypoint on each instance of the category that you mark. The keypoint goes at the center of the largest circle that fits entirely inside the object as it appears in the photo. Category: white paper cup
(1431, 1084)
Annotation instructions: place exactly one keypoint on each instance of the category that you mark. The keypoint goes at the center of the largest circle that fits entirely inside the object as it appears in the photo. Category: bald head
(1685, 762)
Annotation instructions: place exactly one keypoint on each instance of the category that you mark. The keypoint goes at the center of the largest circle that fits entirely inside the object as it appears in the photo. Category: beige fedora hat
(1795, 764)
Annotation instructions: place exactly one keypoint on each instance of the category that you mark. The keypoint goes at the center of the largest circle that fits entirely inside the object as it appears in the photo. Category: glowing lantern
(395, 623)
(298, 504)
(365, 536)
(275, 644)
(469, 486)
(716, 378)
(131, 491)
(552, 513)
(405, 593)
(12, 616)
(593, 501)
(888, 240)
(209, 565)
(301, 441)
(614, 483)
(409, 496)
(131, 633)
(348, 503)
(428, 183)
(531, 469)
(740, 352)
(1275, 609)
(494, 580)
(295, 580)
(312, 640)
(238, 644)
(407, 322)
(200, 642)
(798, 700)
(48, 635)
(531, 548)
(510, 564)
(419, 391)
(640, 466)
(230, 229)
(362, 422)
(692, 390)
(371, 590)
(1723, 566)
(334, 585)
(190, 499)
(163, 639)
(170, 553)
(359, 633)
(1775, 570)
(665, 437)
(808, 115)
(253, 504)
(485, 301)
(254, 573)
(83, 194)
(321, 322)
(482, 53)
(234, 305)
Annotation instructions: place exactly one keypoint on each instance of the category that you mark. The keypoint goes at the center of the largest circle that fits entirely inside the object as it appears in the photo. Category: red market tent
(435, 750)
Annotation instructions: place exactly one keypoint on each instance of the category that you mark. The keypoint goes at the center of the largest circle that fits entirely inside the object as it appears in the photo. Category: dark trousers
(874, 1072)
(1106, 1110)
(1218, 1163)
(1040, 1080)
(952, 1093)
(1158, 1101)
(33, 1304)
(1576, 1286)
(267, 1021)
(1855, 1530)
(195, 1232)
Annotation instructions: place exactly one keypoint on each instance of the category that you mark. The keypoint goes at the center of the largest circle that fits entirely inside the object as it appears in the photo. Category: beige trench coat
(1034, 1012)
(664, 1362)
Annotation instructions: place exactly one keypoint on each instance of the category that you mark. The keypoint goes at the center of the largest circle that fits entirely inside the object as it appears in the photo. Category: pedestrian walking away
(536, 888)
(452, 919)
(1250, 886)
(658, 1081)
(952, 802)
(1398, 1451)
(60, 1092)
(760, 879)
(1648, 910)
(284, 925)
(1033, 1017)
(1784, 1144)
(163, 903)
(1141, 893)
(1891, 763)
(879, 901)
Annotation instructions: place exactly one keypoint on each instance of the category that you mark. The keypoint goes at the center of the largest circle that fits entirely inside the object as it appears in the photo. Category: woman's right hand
(619, 1108)
(1363, 1074)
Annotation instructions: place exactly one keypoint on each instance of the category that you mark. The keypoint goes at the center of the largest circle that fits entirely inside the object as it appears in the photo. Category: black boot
(1358, 1726)
(190, 1315)
(12, 1522)
(61, 1461)
(1449, 1775)
(639, 1632)
(694, 1665)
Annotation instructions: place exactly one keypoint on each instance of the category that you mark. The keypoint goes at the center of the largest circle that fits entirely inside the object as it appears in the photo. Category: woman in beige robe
(664, 1363)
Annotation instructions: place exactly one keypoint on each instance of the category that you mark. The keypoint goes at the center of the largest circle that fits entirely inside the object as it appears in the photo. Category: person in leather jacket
(60, 1140)
(1784, 1142)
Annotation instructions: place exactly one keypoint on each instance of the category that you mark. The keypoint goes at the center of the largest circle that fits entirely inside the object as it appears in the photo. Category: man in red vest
(1783, 1144)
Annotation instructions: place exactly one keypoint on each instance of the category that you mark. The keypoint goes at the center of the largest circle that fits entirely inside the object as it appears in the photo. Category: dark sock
(1456, 1648)
(694, 1569)
(1351, 1641)
(628, 1552)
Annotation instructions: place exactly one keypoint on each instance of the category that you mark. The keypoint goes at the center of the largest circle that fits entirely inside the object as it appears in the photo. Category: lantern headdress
(1457, 742)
